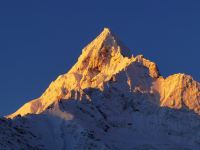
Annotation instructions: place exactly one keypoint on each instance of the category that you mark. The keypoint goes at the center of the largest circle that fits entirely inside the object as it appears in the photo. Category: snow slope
(112, 100)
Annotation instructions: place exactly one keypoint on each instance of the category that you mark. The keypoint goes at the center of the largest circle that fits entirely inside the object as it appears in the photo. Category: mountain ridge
(109, 100)
(100, 60)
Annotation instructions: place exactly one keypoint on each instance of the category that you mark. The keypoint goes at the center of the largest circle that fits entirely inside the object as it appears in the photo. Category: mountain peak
(105, 95)
(106, 60)
(107, 30)
(104, 56)
(109, 42)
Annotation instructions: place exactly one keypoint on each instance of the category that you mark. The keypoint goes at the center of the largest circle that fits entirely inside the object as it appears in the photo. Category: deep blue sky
(41, 39)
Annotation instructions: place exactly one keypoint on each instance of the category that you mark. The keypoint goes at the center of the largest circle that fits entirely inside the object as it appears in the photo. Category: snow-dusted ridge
(100, 61)
(113, 100)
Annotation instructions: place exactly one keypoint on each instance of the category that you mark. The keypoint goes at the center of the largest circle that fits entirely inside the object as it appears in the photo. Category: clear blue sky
(41, 39)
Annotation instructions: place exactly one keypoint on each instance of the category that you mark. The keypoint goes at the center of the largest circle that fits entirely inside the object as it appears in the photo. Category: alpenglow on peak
(107, 61)
(109, 100)
(108, 41)
(104, 57)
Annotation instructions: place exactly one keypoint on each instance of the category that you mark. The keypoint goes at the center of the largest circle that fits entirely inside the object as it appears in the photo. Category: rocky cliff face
(111, 99)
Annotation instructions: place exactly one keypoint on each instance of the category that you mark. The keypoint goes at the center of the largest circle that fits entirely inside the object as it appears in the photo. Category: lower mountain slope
(113, 120)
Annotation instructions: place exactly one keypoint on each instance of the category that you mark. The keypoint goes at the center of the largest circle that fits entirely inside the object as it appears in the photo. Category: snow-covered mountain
(109, 100)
